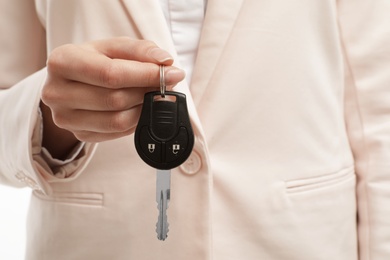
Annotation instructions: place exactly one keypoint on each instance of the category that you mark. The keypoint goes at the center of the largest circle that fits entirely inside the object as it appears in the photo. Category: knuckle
(48, 94)
(54, 61)
(60, 119)
(57, 58)
(152, 75)
(109, 75)
(51, 93)
(115, 100)
(119, 122)
(84, 136)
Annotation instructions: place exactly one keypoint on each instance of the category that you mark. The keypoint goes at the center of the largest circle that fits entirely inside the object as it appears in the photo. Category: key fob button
(176, 147)
(150, 147)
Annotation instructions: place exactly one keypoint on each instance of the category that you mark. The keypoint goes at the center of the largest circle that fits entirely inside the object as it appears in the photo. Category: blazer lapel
(150, 21)
(219, 21)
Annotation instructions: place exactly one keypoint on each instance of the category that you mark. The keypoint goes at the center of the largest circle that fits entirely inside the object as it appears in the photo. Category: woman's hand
(94, 91)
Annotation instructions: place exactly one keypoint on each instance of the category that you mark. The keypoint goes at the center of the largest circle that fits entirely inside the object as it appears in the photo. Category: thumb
(132, 49)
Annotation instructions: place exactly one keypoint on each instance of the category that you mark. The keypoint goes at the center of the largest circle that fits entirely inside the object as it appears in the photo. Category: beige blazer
(290, 103)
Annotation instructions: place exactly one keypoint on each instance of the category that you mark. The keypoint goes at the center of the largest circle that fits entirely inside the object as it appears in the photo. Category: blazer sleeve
(365, 34)
(22, 74)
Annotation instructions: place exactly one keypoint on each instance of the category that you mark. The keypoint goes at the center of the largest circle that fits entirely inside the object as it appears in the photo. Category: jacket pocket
(73, 198)
(319, 182)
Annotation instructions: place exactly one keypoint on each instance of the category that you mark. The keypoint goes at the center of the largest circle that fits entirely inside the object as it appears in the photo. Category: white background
(13, 212)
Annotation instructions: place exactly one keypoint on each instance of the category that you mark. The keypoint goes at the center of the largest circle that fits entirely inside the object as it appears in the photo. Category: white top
(185, 19)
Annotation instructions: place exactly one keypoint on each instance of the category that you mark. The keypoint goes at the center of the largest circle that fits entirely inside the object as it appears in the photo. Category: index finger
(88, 66)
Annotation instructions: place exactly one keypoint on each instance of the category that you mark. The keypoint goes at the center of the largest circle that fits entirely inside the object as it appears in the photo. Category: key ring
(162, 81)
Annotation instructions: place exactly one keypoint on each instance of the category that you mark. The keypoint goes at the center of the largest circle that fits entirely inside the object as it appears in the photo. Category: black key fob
(164, 137)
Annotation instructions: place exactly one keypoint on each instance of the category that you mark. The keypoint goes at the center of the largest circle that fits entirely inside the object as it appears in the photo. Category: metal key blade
(163, 193)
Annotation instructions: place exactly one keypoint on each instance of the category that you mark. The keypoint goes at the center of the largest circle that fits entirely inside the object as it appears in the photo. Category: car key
(164, 140)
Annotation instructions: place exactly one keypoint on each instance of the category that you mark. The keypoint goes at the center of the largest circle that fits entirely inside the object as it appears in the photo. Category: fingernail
(160, 55)
(174, 75)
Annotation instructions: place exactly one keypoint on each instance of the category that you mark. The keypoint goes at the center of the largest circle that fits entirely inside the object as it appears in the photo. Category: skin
(94, 91)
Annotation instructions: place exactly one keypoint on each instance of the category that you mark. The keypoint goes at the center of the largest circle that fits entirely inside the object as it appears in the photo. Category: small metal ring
(162, 81)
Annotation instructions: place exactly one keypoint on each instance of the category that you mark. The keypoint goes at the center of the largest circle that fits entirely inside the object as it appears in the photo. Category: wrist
(59, 142)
